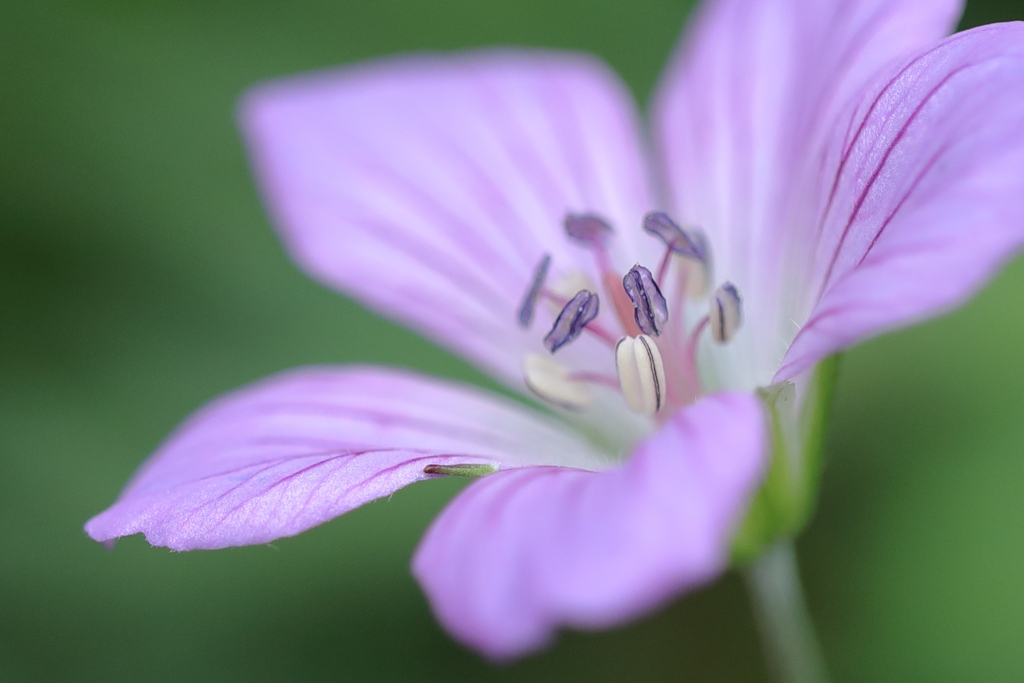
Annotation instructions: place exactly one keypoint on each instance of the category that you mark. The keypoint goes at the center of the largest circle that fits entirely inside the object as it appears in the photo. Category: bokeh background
(139, 277)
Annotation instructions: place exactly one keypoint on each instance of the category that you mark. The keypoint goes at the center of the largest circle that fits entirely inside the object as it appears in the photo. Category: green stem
(785, 624)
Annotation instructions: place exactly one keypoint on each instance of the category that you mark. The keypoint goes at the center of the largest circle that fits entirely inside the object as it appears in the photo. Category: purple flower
(824, 171)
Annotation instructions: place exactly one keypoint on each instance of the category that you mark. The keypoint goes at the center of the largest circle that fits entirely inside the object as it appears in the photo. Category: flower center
(654, 349)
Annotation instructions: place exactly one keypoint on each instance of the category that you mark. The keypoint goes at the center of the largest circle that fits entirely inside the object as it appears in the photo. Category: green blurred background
(139, 277)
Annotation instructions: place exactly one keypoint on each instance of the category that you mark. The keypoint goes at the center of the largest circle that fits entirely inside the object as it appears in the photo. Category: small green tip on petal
(467, 470)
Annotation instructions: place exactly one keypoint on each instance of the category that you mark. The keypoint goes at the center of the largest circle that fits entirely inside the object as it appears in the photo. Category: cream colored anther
(641, 373)
(550, 381)
(725, 313)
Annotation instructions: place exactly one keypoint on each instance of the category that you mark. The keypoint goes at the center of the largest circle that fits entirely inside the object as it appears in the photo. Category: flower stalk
(787, 632)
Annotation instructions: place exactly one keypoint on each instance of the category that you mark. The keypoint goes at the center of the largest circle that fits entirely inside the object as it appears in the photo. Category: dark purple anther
(533, 293)
(580, 310)
(725, 313)
(675, 238)
(651, 312)
(591, 230)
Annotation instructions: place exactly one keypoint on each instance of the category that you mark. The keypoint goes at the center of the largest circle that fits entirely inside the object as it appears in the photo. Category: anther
(725, 313)
(574, 317)
(641, 373)
(588, 229)
(553, 383)
(650, 307)
(533, 293)
(675, 238)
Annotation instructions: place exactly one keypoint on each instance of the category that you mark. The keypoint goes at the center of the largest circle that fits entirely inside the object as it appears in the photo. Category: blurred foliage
(139, 277)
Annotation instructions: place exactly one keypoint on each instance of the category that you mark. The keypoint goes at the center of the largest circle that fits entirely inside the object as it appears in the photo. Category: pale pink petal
(429, 187)
(296, 450)
(928, 193)
(524, 552)
(740, 118)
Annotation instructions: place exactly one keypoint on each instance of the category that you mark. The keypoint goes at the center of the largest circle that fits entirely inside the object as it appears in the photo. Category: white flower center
(655, 350)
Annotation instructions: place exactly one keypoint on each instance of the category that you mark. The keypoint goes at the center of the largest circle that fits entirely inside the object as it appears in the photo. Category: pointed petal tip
(290, 452)
(91, 530)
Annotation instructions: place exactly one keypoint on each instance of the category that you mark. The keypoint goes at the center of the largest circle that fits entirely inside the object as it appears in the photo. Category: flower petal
(296, 450)
(523, 552)
(742, 113)
(928, 193)
(430, 187)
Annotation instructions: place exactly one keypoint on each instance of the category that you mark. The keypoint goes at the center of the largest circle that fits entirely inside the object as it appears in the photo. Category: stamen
(588, 229)
(697, 273)
(554, 383)
(665, 260)
(641, 373)
(461, 470)
(698, 330)
(594, 232)
(526, 309)
(650, 307)
(725, 313)
(689, 249)
(688, 362)
(674, 237)
(560, 302)
(571, 322)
